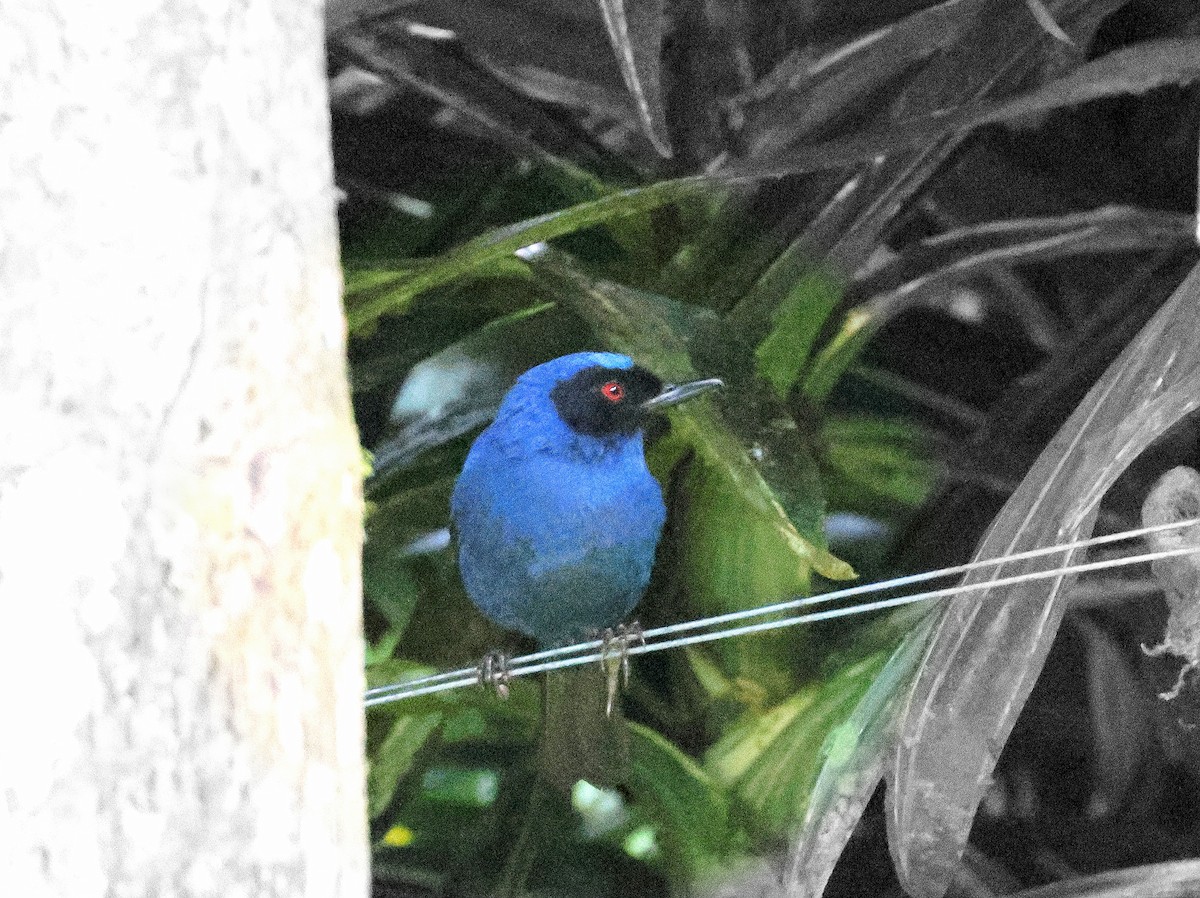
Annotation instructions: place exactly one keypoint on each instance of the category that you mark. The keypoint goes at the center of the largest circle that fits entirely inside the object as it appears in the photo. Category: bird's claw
(614, 657)
(492, 673)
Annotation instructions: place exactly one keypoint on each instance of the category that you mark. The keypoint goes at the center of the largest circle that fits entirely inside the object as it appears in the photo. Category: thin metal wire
(848, 592)
(585, 652)
(521, 668)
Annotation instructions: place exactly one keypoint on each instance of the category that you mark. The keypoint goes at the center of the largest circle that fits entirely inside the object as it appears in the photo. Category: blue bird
(556, 514)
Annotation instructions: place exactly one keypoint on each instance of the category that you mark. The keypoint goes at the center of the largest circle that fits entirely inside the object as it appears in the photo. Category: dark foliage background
(910, 236)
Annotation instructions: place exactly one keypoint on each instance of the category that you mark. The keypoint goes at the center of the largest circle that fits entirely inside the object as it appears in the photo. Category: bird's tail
(579, 739)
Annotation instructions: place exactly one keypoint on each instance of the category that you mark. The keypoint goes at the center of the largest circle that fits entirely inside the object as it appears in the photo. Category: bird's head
(598, 395)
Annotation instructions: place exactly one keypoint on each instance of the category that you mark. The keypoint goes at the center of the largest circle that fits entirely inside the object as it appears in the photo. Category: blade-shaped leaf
(520, 125)
(798, 319)
(988, 647)
(854, 756)
(459, 388)
(632, 323)
(772, 760)
(498, 245)
(1172, 879)
(808, 98)
(993, 56)
(568, 38)
(1133, 70)
(842, 220)
(635, 28)
(1121, 715)
(961, 252)
(956, 253)
(879, 462)
(843, 349)
(690, 807)
(555, 87)
(1125, 72)
(1045, 19)
(395, 756)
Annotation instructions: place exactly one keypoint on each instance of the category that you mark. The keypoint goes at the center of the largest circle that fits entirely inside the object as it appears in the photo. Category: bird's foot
(614, 657)
(492, 673)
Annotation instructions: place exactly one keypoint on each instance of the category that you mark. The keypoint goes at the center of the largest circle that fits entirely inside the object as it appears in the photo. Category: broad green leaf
(498, 245)
(772, 760)
(637, 323)
(735, 545)
(361, 282)
(798, 319)
(388, 584)
(691, 809)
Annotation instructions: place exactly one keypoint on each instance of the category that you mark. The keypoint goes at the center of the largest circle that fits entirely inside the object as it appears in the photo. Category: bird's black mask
(605, 402)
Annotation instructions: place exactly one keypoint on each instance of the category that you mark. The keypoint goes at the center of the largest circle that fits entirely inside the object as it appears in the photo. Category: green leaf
(392, 292)
(772, 760)
(742, 546)
(781, 356)
(388, 583)
(853, 756)
(497, 246)
(362, 282)
(723, 252)
(840, 353)
(394, 757)
(690, 808)
(735, 546)
(879, 464)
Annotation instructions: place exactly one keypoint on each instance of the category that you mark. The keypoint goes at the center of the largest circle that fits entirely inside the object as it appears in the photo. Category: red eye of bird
(613, 391)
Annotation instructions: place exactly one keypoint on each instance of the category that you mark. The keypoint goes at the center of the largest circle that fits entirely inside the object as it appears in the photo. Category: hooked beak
(673, 395)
